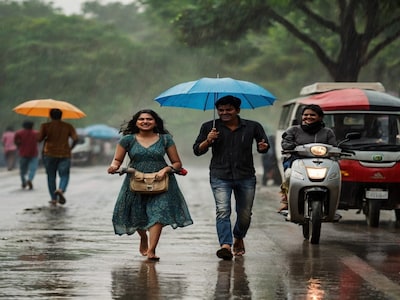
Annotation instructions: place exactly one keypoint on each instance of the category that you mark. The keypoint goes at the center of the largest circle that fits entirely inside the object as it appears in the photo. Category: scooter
(314, 187)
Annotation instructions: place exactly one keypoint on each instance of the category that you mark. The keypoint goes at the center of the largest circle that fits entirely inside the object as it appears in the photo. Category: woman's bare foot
(144, 245)
(152, 256)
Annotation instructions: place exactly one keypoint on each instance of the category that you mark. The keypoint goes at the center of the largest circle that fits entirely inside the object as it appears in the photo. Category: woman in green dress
(147, 141)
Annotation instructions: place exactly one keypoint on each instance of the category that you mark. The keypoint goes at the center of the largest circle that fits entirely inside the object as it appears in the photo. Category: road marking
(376, 279)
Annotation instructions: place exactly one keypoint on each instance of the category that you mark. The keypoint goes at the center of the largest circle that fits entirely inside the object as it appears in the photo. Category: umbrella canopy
(42, 107)
(203, 93)
(102, 131)
(354, 99)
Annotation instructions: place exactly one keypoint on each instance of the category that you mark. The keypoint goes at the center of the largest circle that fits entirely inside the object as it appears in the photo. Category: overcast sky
(74, 6)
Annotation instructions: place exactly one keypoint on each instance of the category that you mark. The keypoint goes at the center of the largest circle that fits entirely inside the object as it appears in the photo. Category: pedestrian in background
(271, 174)
(9, 148)
(147, 141)
(57, 147)
(231, 170)
(26, 140)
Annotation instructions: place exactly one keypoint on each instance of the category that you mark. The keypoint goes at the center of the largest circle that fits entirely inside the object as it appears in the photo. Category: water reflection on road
(71, 252)
(232, 280)
(139, 281)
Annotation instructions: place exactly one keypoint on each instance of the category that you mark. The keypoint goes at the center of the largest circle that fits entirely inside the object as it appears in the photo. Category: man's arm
(41, 134)
(74, 137)
(262, 139)
(203, 142)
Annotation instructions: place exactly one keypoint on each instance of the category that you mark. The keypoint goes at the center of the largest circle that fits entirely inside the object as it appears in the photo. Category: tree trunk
(346, 69)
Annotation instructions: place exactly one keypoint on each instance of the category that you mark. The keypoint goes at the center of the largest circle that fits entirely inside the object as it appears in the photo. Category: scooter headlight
(318, 150)
(316, 173)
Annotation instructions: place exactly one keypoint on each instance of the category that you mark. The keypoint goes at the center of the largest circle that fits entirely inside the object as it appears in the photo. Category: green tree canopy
(95, 61)
(345, 35)
(67, 58)
(114, 59)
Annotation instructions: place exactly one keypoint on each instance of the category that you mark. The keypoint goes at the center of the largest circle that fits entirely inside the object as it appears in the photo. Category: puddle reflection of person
(232, 280)
(132, 283)
(148, 280)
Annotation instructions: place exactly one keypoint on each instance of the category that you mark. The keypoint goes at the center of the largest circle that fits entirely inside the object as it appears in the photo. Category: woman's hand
(117, 160)
(162, 173)
(112, 169)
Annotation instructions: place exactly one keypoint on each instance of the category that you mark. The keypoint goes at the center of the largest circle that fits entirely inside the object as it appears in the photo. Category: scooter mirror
(353, 135)
(350, 136)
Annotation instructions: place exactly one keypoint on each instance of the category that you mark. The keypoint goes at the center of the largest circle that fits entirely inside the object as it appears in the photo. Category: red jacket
(27, 143)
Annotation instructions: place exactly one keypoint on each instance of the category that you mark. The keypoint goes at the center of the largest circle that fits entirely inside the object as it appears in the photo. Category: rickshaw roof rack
(320, 87)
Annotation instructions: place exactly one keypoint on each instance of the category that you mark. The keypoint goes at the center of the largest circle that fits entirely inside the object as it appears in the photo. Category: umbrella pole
(215, 98)
(214, 110)
(214, 119)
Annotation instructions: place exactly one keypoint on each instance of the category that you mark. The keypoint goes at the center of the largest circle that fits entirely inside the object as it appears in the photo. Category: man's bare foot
(144, 245)
(238, 247)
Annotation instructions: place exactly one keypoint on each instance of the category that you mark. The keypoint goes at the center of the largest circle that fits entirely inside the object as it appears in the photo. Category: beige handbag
(146, 183)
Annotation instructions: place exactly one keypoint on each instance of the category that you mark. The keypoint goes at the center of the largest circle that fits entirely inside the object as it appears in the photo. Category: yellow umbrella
(42, 107)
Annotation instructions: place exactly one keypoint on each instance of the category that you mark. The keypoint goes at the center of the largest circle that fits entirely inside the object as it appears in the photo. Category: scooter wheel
(315, 222)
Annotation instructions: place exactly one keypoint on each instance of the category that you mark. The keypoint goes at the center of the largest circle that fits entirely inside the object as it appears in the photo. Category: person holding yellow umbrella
(57, 153)
(56, 135)
(42, 107)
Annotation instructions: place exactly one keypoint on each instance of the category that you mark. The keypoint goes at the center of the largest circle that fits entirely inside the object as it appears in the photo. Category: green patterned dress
(134, 211)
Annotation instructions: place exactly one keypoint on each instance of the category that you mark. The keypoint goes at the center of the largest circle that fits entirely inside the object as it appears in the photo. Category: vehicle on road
(314, 186)
(92, 151)
(369, 176)
(81, 154)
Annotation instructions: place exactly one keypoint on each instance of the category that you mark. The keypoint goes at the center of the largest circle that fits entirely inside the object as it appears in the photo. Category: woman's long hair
(131, 128)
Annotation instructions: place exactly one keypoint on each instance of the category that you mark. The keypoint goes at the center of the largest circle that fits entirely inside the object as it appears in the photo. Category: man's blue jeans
(53, 165)
(244, 191)
(28, 165)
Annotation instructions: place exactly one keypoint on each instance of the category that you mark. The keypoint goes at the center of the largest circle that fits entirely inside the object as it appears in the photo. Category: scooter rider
(311, 130)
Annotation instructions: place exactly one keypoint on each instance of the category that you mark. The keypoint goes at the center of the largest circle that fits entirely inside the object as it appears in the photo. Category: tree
(92, 62)
(345, 35)
(69, 58)
(33, 8)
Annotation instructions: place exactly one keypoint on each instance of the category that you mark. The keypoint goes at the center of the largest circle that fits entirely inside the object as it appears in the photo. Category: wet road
(71, 252)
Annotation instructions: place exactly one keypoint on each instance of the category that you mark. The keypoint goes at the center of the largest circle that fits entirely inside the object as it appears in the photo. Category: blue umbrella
(202, 93)
(102, 131)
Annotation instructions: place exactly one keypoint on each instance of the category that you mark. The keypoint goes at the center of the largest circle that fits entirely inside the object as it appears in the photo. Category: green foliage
(115, 59)
(343, 35)
(126, 18)
(106, 68)
(66, 58)
(32, 8)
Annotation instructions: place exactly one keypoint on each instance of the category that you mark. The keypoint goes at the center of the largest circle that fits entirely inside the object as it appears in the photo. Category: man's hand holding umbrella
(212, 135)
